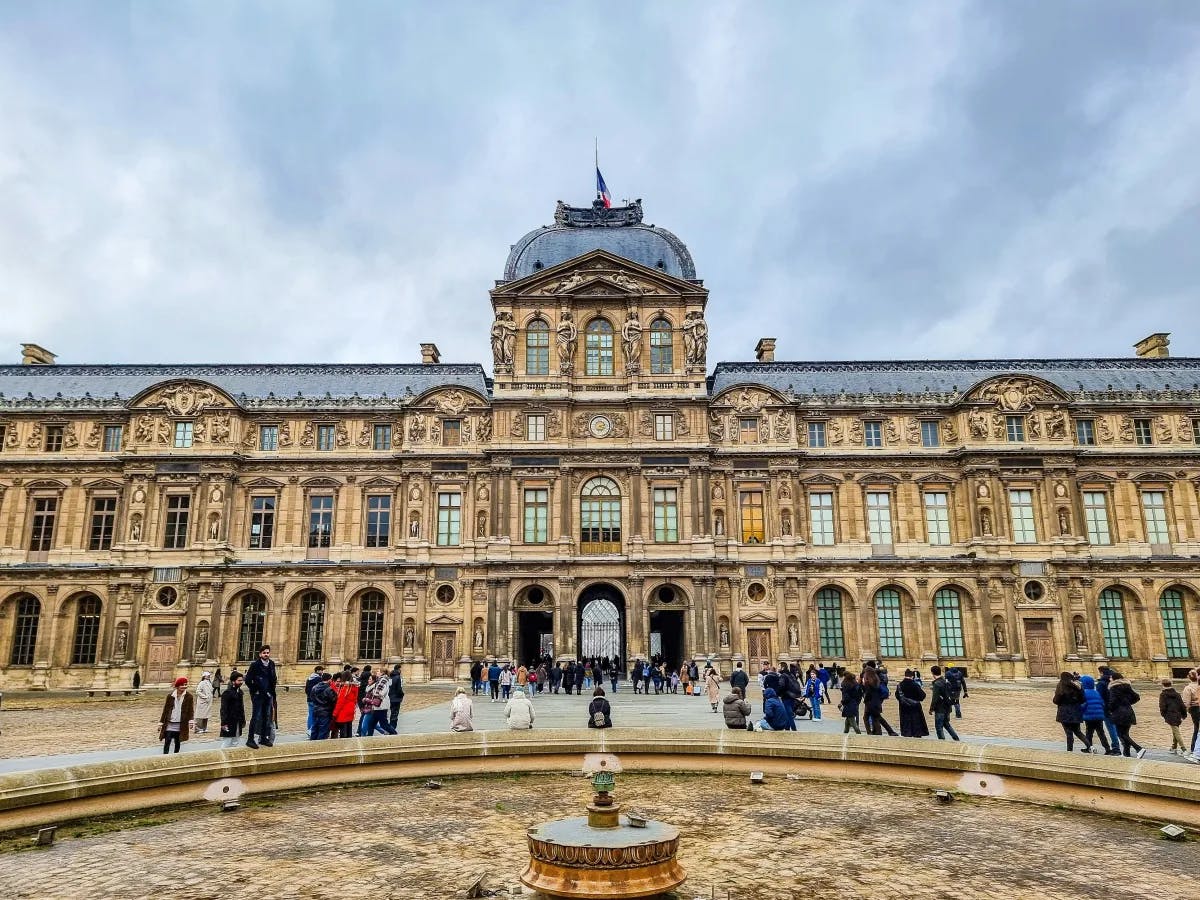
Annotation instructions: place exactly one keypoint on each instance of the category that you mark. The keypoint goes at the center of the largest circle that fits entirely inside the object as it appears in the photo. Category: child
(1171, 708)
(674, 682)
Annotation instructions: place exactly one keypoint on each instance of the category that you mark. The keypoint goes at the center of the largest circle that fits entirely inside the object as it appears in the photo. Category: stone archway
(601, 623)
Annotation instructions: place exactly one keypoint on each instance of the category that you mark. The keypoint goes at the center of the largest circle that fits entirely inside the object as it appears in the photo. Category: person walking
(579, 676)
(343, 710)
(261, 680)
(476, 677)
(322, 699)
(776, 716)
(614, 674)
(556, 677)
(1093, 716)
(1068, 697)
(852, 695)
(233, 710)
(813, 688)
(1121, 699)
(395, 696)
(736, 710)
(219, 680)
(521, 680)
(875, 691)
(462, 712)
(381, 701)
(493, 674)
(1191, 700)
(1102, 685)
(635, 674)
(958, 687)
(739, 678)
(311, 682)
(542, 674)
(519, 711)
(824, 677)
(1172, 709)
(910, 696)
(588, 669)
(204, 702)
(712, 684)
(599, 710)
(178, 713)
(942, 704)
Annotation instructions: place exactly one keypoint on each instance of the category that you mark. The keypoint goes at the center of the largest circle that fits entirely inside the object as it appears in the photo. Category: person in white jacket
(204, 699)
(462, 711)
(519, 711)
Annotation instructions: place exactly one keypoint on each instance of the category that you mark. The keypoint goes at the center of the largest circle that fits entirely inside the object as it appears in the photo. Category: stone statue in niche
(719, 523)
(724, 634)
(202, 642)
(1064, 521)
(414, 527)
(998, 633)
(214, 527)
(631, 341)
(504, 339)
(409, 637)
(567, 336)
(985, 522)
(122, 642)
(481, 525)
(135, 527)
(785, 523)
(793, 635)
(1080, 638)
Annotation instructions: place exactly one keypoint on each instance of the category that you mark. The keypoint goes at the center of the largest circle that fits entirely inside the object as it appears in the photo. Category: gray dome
(618, 230)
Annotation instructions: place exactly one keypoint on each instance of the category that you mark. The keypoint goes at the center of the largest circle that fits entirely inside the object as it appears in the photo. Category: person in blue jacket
(776, 716)
(1093, 715)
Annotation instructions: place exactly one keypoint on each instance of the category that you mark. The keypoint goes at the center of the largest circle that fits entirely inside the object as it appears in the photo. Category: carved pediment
(757, 616)
(321, 483)
(104, 484)
(747, 399)
(445, 620)
(264, 484)
(820, 480)
(450, 401)
(183, 398)
(1156, 477)
(1016, 393)
(936, 478)
(380, 482)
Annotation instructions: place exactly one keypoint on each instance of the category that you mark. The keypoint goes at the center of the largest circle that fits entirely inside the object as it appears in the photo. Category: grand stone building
(603, 491)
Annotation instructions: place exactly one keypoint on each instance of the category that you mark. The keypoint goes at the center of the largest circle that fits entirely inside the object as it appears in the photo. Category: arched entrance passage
(666, 627)
(601, 623)
(535, 626)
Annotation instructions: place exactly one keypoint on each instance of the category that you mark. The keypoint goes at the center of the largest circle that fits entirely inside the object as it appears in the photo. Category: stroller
(800, 708)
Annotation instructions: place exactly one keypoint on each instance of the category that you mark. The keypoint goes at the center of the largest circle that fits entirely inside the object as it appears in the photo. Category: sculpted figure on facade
(414, 525)
(92, 441)
(724, 634)
(856, 432)
(631, 341)
(219, 429)
(985, 522)
(834, 432)
(135, 527)
(567, 336)
(1104, 430)
(121, 645)
(150, 429)
(785, 523)
(1064, 521)
(695, 339)
(977, 424)
(719, 523)
(912, 431)
(1056, 425)
(949, 432)
(998, 634)
(285, 434)
(308, 437)
(504, 339)
(1015, 394)
(782, 426)
(417, 427)
(716, 426)
(891, 432)
(202, 642)
(484, 429)
(1035, 426)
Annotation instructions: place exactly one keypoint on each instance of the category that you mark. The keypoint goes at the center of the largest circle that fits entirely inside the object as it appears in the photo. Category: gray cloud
(232, 182)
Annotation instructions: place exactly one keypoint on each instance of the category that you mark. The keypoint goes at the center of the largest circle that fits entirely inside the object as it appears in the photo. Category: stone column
(637, 626)
(565, 641)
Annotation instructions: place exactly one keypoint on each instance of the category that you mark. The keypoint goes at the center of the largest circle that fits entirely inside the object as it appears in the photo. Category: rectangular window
(1095, 517)
(175, 535)
(872, 434)
(930, 434)
(1154, 506)
(183, 435)
(891, 626)
(45, 511)
(54, 439)
(535, 427)
(664, 426)
(830, 631)
(87, 632)
(1014, 429)
(268, 437)
(320, 520)
(748, 431)
(949, 624)
(379, 520)
(370, 626)
(816, 435)
(537, 516)
(1195, 431)
(1112, 625)
(752, 517)
(879, 517)
(112, 438)
(262, 522)
(598, 349)
(1142, 432)
(3, 436)
(1174, 627)
(326, 437)
(381, 437)
(937, 517)
(1021, 507)
(666, 515)
(1085, 432)
(662, 356)
(820, 507)
(449, 533)
(451, 432)
(537, 348)
(104, 522)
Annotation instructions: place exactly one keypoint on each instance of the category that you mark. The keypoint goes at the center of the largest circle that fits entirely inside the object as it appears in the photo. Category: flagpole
(597, 160)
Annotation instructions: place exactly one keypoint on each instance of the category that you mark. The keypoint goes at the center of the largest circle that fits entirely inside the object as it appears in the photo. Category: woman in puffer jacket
(1093, 716)
(1068, 697)
(776, 715)
(1121, 697)
(736, 710)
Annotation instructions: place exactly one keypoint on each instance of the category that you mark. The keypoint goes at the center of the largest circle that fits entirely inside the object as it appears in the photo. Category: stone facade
(1013, 517)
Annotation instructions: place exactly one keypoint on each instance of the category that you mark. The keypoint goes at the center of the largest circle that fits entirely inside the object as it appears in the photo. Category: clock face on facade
(600, 426)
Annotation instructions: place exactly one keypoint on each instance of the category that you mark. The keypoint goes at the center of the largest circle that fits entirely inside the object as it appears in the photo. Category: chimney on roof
(430, 355)
(1155, 346)
(764, 350)
(33, 355)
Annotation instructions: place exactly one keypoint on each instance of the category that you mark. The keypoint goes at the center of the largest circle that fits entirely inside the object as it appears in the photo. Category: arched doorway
(535, 626)
(666, 627)
(601, 623)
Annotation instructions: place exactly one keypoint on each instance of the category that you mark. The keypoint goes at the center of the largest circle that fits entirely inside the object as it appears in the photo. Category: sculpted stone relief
(631, 342)
(1015, 394)
(695, 339)
(185, 399)
(504, 340)
(566, 334)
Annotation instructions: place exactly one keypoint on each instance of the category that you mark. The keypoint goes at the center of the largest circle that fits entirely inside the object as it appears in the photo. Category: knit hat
(206, 675)
(180, 681)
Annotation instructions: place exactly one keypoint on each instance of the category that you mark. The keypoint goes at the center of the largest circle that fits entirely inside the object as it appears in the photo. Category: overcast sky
(293, 182)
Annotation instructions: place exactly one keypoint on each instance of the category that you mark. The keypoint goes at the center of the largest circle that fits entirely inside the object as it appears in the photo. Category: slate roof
(1169, 377)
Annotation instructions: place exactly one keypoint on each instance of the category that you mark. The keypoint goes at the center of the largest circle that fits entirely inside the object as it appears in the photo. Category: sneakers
(1141, 753)
(251, 744)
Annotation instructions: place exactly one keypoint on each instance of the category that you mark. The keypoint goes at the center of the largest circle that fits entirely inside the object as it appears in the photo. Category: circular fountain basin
(569, 858)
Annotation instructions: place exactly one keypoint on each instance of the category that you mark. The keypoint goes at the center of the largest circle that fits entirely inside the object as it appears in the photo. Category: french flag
(602, 190)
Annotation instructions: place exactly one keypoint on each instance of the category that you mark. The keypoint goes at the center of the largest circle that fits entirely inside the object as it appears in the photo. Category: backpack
(884, 691)
(598, 719)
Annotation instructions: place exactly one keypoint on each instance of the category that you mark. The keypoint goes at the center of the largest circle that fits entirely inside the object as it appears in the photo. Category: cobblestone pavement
(783, 840)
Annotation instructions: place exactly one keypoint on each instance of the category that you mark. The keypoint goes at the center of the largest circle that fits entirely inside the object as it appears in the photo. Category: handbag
(697, 690)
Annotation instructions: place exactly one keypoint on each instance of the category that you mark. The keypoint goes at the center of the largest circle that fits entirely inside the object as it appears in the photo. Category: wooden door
(162, 655)
(1039, 648)
(443, 661)
(758, 645)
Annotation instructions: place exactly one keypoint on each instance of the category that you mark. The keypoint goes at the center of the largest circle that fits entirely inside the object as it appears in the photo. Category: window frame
(183, 434)
(1172, 610)
(535, 427)
(537, 347)
(1111, 609)
(177, 521)
(664, 426)
(252, 626)
(43, 522)
(875, 518)
(826, 514)
(1096, 515)
(891, 631)
(85, 642)
(665, 505)
(947, 605)
(53, 441)
(1016, 524)
(600, 516)
(752, 525)
(937, 518)
(371, 630)
(931, 433)
(748, 425)
(1143, 432)
(326, 438)
(535, 514)
(381, 436)
(816, 436)
(831, 626)
(662, 347)
(102, 523)
(873, 433)
(598, 348)
(1085, 432)
(1014, 429)
(449, 518)
(452, 432)
(321, 507)
(310, 643)
(27, 622)
(1154, 516)
(262, 519)
(107, 444)
(377, 525)
(268, 438)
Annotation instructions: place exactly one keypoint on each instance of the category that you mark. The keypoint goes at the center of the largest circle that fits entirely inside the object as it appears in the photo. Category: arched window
(599, 346)
(87, 631)
(252, 627)
(1170, 605)
(312, 627)
(25, 631)
(537, 348)
(600, 517)
(1112, 624)
(949, 623)
(370, 625)
(891, 628)
(662, 351)
(829, 623)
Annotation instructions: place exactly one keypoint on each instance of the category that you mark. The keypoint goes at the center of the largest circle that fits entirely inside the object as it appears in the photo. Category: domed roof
(619, 230)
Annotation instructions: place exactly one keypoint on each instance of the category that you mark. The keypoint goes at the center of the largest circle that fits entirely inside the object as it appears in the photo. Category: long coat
(712, 684)
(204, 699)
(912, 715)
(186, 714)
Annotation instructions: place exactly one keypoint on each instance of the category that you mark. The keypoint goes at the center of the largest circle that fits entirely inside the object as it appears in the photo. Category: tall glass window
(820, 508)
(25, 631)
(45, 512)
(600, 517)
(175, 534)
(183, 434)
(1014, 429)
(599, 347)
(370, 626)
(891, 627)
(1095, 517)
(830, 631)
(937, 517)
(262, 522)
(379, 520)
(537, 516)
(449, 523)
(930, 435)
(1112, 624)
(87, 631)
(320, 520)
(112, 438)
(268, 437)
(879, 517)
(872, 434)
(949, 623)
(326, 437)
(662, 355)
(666, 515)
(251, 627)
(1085, 432)
(1154, 507)
(103, 524)
(312, 626)
(537, 348)
(816, 435)
(1174, 624)
(753, 527)
(1020, 504)
(381, 437)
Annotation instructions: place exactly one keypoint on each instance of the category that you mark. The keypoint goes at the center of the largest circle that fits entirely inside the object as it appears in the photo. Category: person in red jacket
(344, 709)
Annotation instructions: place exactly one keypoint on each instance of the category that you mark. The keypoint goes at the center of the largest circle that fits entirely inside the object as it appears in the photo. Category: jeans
(170, 737)
(941, 722)
(1095, 729)
(816, 706)
(957, 709)
(587, 681)
(613, 679)
(851, 722)
(1126, 741)
(495, 686)
(260, 717)
(1071, 730)
(1113, 737)
(1194, 712)
(394, 715)
(377, 720)
(320, 727)
(636, 681)
(763, 726)
(505, 690)
(310, 716)
(475, 685)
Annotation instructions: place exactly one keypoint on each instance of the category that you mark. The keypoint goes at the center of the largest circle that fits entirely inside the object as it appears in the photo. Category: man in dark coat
(739, 679)
(322, 700)
(261, 680)
(943, 701)
(233, 710)
(556, 675)
(395, 695)
(309, 683)
(476, 677)
(912, 716)
(579, 670)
